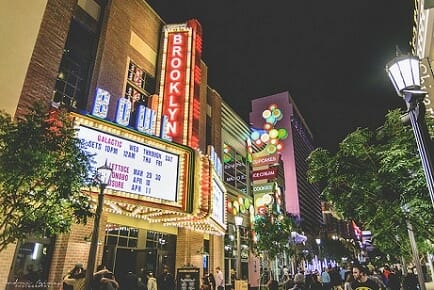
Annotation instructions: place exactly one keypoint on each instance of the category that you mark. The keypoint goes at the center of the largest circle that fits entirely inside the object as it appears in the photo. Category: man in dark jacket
(165, 281)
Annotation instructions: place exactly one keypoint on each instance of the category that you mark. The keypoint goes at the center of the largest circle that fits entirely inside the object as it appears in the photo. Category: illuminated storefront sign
(261, 160)
(427, 84)
(268, 174)
(101, 103)
(216, 161)
(218, 196)
(137, 168)
(175, 89)
(263, 203)
(264, 188)
(145, 121)
(180, 80)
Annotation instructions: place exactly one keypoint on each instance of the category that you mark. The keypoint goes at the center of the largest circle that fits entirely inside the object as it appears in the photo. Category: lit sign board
(101, 103)
(137, 168)
(145, 117)
(261, 160)
(427, 84)
(180, 81)
(177, 70)
(263, 188)
(218, 202)
(269, 174)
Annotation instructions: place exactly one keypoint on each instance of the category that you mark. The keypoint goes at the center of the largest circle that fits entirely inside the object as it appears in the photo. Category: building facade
(137, 89)
(300, 198)
(423, 47)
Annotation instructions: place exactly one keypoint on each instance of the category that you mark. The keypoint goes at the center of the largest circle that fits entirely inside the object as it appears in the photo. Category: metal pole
(238, 253)
(415, 255)
(94, 241)
(421, 144)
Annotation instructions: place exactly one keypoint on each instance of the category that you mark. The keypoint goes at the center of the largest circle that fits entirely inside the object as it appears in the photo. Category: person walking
(349, 278)
(211, 280)
(152, 282)
(326, 279)
(362, 280)
(75, 278)
(219, 279)
(165, 281)
(299, 281)
(103, 279)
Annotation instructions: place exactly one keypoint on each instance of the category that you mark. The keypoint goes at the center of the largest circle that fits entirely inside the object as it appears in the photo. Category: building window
(75, 70)
(68, 83)
(31, 264)
(235, 169)
(121, 236)
(140, 85)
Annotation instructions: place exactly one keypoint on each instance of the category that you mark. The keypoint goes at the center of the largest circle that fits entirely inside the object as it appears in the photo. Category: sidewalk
(429, 285)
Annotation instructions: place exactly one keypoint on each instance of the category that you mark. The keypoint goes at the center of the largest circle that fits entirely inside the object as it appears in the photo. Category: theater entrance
(133, 252)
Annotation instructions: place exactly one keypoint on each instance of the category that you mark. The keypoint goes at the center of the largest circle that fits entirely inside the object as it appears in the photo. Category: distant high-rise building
(302, 199)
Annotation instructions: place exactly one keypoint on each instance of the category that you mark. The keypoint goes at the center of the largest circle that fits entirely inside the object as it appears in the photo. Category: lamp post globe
(404, 73)
(104, 174)
(103, 177)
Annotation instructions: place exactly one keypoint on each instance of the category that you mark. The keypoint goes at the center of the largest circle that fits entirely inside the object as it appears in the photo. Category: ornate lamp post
(404, 72)
(238, 224)
(318, 242)
(104, 174)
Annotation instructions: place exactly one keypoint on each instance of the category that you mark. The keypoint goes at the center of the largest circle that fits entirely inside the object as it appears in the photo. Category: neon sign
(175, 93)
(180, 81)
(145, 121)
(269, 135)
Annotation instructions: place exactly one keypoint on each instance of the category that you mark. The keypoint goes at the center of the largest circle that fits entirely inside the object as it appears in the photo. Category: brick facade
(73, 248)
(44, 64)
(114, 51)
(6, 256)
(110, 70)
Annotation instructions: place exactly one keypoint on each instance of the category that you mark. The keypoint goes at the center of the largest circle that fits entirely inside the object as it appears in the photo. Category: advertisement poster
(187, 278)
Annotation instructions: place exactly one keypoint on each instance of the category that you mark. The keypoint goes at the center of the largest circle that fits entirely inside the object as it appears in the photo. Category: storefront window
(121, 235)
(31, 265)
(235, 169)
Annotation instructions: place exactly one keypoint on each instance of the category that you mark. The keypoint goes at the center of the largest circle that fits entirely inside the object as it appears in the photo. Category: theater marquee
(136, 168)
(144, 168)
(153, 179)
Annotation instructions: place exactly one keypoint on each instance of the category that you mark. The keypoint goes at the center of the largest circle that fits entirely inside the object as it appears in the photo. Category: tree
(371, 177)
(42, 172)
(273, 232)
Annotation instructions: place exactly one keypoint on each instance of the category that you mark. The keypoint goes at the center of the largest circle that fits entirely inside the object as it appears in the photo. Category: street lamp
(103, 176)
(238, 224)
(318, 242)
(404, 72)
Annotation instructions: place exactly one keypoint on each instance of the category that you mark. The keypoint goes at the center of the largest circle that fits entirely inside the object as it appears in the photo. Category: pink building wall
(282, 100)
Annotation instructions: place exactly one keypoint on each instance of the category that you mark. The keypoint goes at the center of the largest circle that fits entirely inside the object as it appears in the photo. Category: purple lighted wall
(282, 100)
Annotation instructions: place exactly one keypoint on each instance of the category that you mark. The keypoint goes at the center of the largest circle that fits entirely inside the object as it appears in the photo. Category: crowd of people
(353, 277)
(104, 279)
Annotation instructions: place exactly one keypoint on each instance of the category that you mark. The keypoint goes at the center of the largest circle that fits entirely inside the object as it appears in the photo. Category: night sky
(329, 55)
